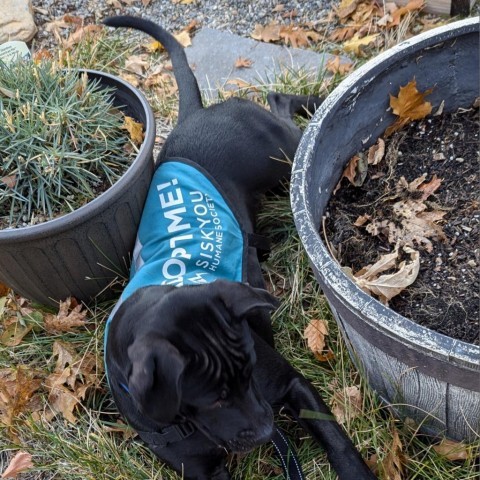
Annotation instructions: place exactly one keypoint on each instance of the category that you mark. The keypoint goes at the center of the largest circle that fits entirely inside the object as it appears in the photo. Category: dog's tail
(188, 91)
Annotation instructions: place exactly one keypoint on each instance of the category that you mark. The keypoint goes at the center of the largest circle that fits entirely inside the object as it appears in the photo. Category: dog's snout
(246, 440)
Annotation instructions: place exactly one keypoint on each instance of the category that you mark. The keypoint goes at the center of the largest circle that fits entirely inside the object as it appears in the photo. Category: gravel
(235, 16)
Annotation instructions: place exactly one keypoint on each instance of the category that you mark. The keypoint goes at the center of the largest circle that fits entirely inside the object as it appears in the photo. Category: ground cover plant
(55, 406)
(62, 141)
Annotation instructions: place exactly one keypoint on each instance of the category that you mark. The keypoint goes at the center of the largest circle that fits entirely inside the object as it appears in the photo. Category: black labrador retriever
(189, 349)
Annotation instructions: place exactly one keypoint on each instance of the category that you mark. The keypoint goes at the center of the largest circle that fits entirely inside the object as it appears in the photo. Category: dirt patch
(445, 295)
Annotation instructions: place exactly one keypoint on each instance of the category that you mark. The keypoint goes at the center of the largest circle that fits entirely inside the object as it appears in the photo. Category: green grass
(89, 449)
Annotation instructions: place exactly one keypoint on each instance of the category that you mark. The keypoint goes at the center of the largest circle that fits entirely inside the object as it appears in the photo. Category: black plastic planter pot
(80, 253)
(423, 375)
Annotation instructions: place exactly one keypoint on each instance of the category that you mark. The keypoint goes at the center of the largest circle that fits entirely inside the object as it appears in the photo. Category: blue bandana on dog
(188, 234)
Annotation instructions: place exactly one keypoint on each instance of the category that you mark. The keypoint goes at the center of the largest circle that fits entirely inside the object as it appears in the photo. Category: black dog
(189, 350)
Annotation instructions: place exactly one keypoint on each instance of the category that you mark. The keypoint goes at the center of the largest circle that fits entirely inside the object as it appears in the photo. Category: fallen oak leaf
(19, 463)
(342, 34)
(17, 393)
(408, 106)
(67, 319)
(72, 377)
(242, 62)
(430, 187)
(297, 36)
(417, 225)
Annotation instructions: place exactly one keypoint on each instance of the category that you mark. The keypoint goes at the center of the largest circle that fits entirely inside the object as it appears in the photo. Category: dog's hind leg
(311, 412)
(285, 106)
(283, 386)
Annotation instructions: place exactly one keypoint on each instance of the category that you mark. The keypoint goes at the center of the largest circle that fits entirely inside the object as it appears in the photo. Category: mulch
(445, 295)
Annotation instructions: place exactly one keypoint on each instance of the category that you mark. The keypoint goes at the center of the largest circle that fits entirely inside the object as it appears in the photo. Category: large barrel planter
(79, 254)
(423, 375)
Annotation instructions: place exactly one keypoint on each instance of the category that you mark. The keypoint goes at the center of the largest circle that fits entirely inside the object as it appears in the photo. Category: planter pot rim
(86, 211)
(346, 291)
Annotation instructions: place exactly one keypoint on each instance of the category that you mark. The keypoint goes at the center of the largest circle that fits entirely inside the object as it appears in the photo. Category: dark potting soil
(445, 296)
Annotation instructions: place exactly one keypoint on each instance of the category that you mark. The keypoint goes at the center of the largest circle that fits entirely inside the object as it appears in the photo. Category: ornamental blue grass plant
(61, 142)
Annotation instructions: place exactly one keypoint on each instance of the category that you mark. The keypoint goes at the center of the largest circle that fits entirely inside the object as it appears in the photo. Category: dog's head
(193, 357)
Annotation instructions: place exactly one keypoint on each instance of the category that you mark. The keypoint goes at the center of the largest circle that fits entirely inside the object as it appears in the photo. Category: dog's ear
(155, 378)
(240, 298)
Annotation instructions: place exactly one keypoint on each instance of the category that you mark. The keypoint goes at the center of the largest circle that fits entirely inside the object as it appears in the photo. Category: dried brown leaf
(356, 44)
(20, 462)
(315, 334)
(242, 62)
(393, 463)
(73, 376)
(452, 450)
(347, 404)
(342, 34)
(346, 8)
(135, 130)
(413, 5)
(17, 390)
(297, 36)
(67, 319)
(417, 225)
(4, 289)
(14, 334)
(430, 187)
(267, 33)
(356, 170)
(183, 38)
(88, 31)
(386, 286)
(137, 64)
(376, 152)
(409, 105)
(334, 65)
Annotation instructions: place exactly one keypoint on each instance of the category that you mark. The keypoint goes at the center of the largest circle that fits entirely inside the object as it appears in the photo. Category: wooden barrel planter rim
(435, 355)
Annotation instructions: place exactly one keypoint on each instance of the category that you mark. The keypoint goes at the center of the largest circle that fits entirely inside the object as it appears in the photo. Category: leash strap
(292, 469)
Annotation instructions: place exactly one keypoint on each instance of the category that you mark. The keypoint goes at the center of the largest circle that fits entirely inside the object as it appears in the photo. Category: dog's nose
(247, 440)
